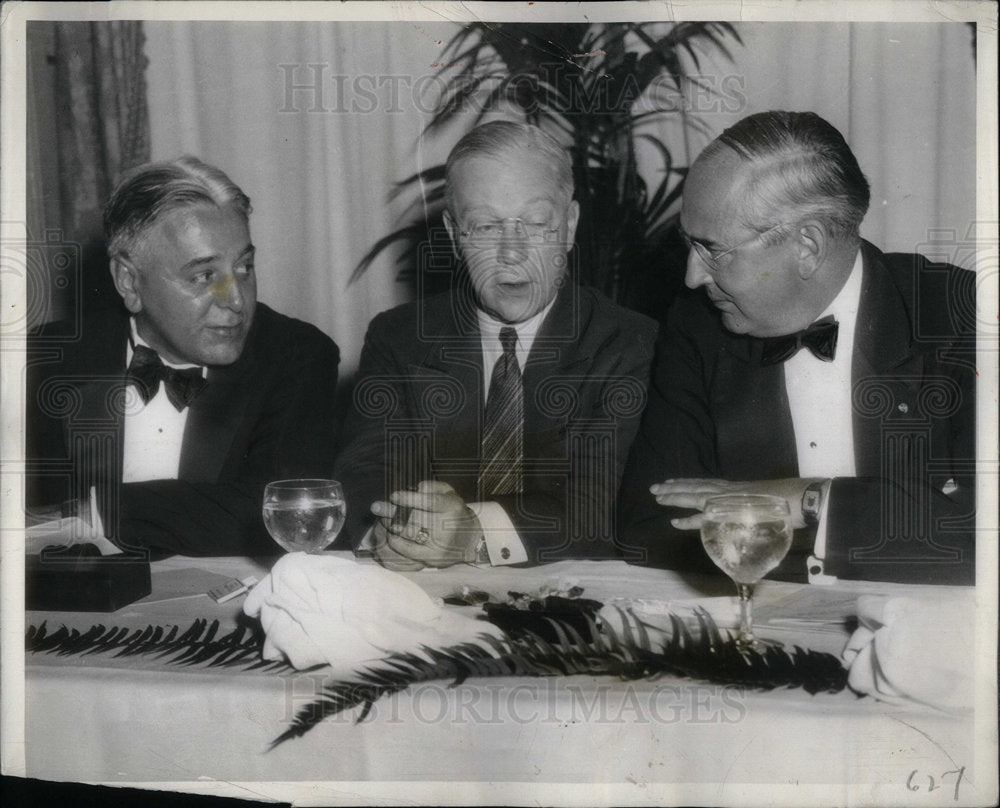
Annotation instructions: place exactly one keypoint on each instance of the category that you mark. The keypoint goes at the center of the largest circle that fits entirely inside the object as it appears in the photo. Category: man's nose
(512, 247)
(229, 293)
(697, 274)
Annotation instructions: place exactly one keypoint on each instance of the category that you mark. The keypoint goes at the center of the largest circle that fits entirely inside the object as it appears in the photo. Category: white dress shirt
(819, 397)
(154, 432)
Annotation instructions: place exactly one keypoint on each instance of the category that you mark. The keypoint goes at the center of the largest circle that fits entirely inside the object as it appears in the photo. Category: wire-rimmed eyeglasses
(493, 231)
(711, 258)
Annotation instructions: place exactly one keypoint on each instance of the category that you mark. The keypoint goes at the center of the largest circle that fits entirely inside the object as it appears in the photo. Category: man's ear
(126, 280)
(452, 228)
(572, 218)
(812, 243)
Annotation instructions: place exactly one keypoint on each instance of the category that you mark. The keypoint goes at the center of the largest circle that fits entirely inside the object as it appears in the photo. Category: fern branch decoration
(704, 655)
(199, 644)
(566, 650)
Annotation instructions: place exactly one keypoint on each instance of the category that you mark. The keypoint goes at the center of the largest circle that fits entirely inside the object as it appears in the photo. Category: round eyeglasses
(493, 231)
(712, 257)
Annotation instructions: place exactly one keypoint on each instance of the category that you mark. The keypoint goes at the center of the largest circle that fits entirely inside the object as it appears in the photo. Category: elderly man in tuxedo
(808, 365)
(179, 406)
(491, 423)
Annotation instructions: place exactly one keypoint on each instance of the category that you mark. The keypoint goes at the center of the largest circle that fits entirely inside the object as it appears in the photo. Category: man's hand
(438, 532)
(692, 493)
(383, 553)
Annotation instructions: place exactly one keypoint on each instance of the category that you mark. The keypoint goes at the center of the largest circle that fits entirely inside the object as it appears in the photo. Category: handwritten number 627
(932, 784)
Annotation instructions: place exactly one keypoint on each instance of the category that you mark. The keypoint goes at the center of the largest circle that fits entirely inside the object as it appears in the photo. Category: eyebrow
(194, 263)
(707, 243)
(490, 209)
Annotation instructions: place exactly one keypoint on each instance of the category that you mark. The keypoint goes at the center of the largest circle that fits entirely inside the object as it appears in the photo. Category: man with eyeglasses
(808, 365)
(491, 423)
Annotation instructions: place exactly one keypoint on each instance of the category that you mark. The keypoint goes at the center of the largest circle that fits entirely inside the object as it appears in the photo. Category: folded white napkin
(321, 609)
(907, 650)
(638, 616)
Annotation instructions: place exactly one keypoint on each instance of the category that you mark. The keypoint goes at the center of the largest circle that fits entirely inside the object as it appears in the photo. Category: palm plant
(595, 87)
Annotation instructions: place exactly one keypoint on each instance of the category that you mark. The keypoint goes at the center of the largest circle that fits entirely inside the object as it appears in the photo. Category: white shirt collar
(489, 337)
(489, 329)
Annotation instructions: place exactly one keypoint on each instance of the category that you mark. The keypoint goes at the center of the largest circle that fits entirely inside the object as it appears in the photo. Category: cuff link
(816, 569)
(478, 554)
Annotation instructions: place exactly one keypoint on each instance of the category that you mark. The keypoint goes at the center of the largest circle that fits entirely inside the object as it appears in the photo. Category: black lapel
(445, 385)
(218, 413)
(95, 434)
(561, 351)
(886, 372)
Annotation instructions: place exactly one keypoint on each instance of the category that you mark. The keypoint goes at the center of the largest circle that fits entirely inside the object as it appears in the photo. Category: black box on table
(71, 582)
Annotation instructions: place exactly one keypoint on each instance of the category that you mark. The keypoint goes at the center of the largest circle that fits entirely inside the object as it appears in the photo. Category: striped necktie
(503, 432)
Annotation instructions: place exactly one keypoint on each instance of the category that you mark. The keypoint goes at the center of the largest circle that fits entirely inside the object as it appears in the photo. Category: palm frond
(198, 645)
(629, 655)
(415, 231)
(569, 649)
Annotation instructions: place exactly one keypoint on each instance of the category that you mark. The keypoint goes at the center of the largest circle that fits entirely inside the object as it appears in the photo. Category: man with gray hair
(813, 367)
(491, 423)
(178, 407)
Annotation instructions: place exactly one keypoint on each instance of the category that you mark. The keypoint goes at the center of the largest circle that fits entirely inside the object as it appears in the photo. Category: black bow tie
(147, 371)
(820, 338)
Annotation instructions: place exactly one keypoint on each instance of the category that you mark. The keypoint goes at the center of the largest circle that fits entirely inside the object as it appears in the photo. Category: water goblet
(747, 536)
(304, 515)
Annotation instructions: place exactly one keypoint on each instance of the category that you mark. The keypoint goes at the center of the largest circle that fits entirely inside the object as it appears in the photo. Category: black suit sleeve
(904, 532)
(380, 394)
(676, 439)
(292, 436)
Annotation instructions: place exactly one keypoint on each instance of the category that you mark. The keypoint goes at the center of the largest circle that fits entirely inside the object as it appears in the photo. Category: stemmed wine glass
(747, 536)
(304, 515)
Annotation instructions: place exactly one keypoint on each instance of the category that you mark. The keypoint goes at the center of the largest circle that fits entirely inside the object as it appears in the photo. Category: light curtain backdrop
(320, 173)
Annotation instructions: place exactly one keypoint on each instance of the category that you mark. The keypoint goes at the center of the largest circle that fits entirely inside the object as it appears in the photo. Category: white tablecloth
(669, 739)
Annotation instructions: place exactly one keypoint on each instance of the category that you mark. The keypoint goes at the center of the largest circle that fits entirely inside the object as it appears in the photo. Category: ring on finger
(422, 536)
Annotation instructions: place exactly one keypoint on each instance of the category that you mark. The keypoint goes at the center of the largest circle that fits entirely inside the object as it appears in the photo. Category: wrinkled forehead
(185, 230)
(514, 165)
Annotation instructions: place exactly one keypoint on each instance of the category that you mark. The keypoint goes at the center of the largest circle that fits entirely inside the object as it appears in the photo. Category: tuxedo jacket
(715, 411)
(267, 416)
(419, 406)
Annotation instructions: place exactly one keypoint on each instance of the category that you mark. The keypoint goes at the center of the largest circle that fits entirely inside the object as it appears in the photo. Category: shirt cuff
(95, 513)
(503, 544)
(816, 563)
